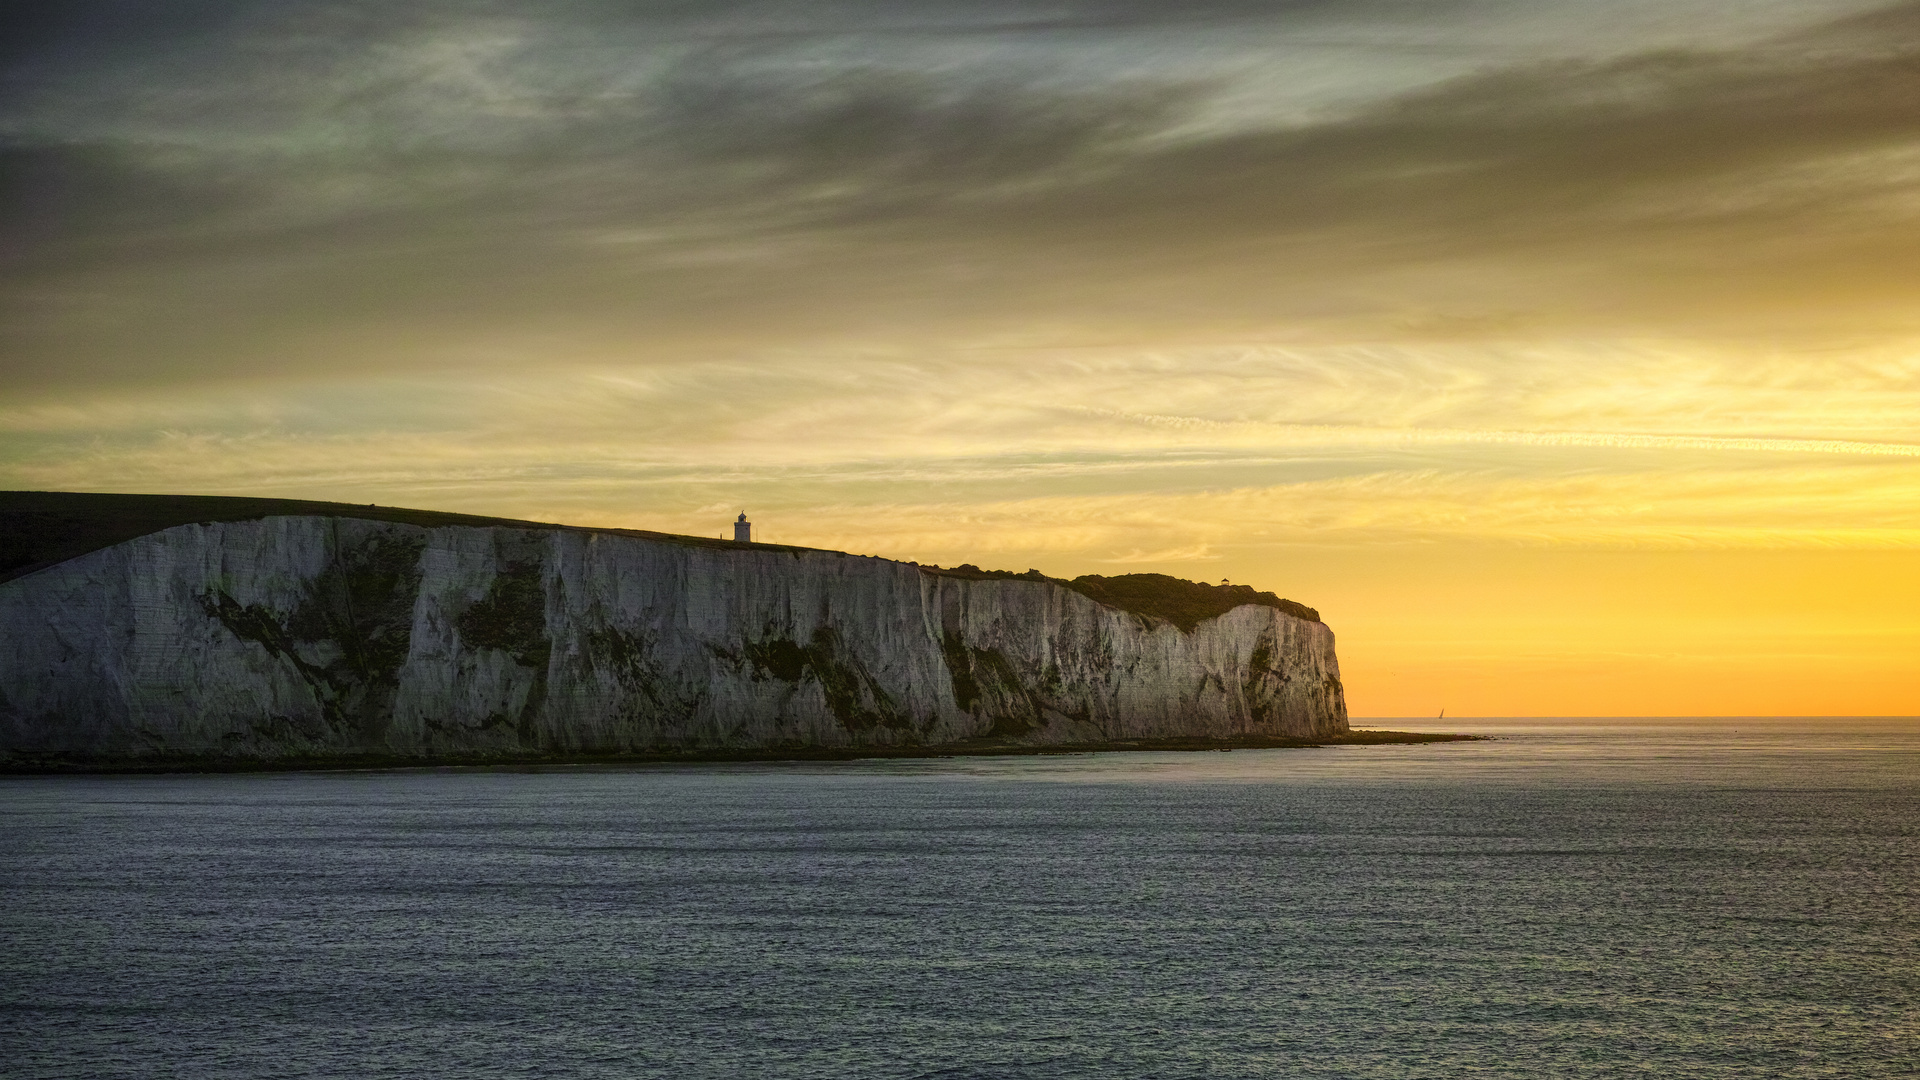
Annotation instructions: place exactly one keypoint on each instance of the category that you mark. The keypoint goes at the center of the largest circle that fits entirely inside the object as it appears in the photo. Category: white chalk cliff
(321, 637)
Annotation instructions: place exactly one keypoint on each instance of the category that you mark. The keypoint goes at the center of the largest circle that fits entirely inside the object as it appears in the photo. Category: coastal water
(1723, 899)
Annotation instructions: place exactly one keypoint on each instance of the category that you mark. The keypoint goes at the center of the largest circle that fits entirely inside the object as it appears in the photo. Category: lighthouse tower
(743, 530)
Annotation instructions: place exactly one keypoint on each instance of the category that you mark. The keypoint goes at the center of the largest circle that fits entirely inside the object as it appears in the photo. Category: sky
(1564, 353)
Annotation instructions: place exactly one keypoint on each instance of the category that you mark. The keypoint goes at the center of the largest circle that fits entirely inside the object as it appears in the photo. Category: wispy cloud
(1000, 465)
(1196, 553)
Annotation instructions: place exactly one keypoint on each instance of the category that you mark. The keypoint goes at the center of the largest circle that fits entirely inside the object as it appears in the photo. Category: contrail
(1664, 442)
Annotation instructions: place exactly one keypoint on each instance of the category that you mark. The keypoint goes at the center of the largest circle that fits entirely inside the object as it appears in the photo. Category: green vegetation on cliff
(1184, 603)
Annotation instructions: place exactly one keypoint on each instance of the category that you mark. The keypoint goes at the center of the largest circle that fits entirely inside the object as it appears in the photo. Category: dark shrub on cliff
(1185, 604)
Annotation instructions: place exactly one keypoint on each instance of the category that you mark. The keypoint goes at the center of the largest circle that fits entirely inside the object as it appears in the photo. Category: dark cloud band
(244, 186)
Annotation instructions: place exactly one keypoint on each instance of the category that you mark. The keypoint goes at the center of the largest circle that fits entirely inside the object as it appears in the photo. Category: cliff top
(39, 529)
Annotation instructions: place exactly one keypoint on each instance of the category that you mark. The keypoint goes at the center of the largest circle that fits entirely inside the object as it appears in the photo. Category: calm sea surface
(1709, 900)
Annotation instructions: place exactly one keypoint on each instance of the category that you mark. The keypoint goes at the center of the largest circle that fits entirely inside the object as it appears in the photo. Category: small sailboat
(1442, 716)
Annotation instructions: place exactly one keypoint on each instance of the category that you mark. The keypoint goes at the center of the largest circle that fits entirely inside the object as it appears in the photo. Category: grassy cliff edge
(39, 529)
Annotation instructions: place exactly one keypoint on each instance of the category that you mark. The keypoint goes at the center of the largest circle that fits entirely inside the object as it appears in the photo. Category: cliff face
(292, 637)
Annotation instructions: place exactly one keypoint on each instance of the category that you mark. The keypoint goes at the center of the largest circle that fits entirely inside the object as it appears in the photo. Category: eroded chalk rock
(309, 636)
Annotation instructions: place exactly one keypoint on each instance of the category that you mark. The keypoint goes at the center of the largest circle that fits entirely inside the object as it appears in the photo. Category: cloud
(271, 188)
(925, 461)
(1197, 553)
(1798, 508)
(579, 261)
(1678, 192)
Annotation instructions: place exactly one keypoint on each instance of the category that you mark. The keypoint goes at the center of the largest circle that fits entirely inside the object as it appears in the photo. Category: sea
(1590, 898)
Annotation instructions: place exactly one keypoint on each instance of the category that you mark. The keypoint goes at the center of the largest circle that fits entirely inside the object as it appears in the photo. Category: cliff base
(57, 765)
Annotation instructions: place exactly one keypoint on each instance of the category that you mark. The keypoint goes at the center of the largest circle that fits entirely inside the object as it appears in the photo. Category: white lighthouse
(743, 530)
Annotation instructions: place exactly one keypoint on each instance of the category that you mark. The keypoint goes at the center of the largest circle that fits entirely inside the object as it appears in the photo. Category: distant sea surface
(1574, 899)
